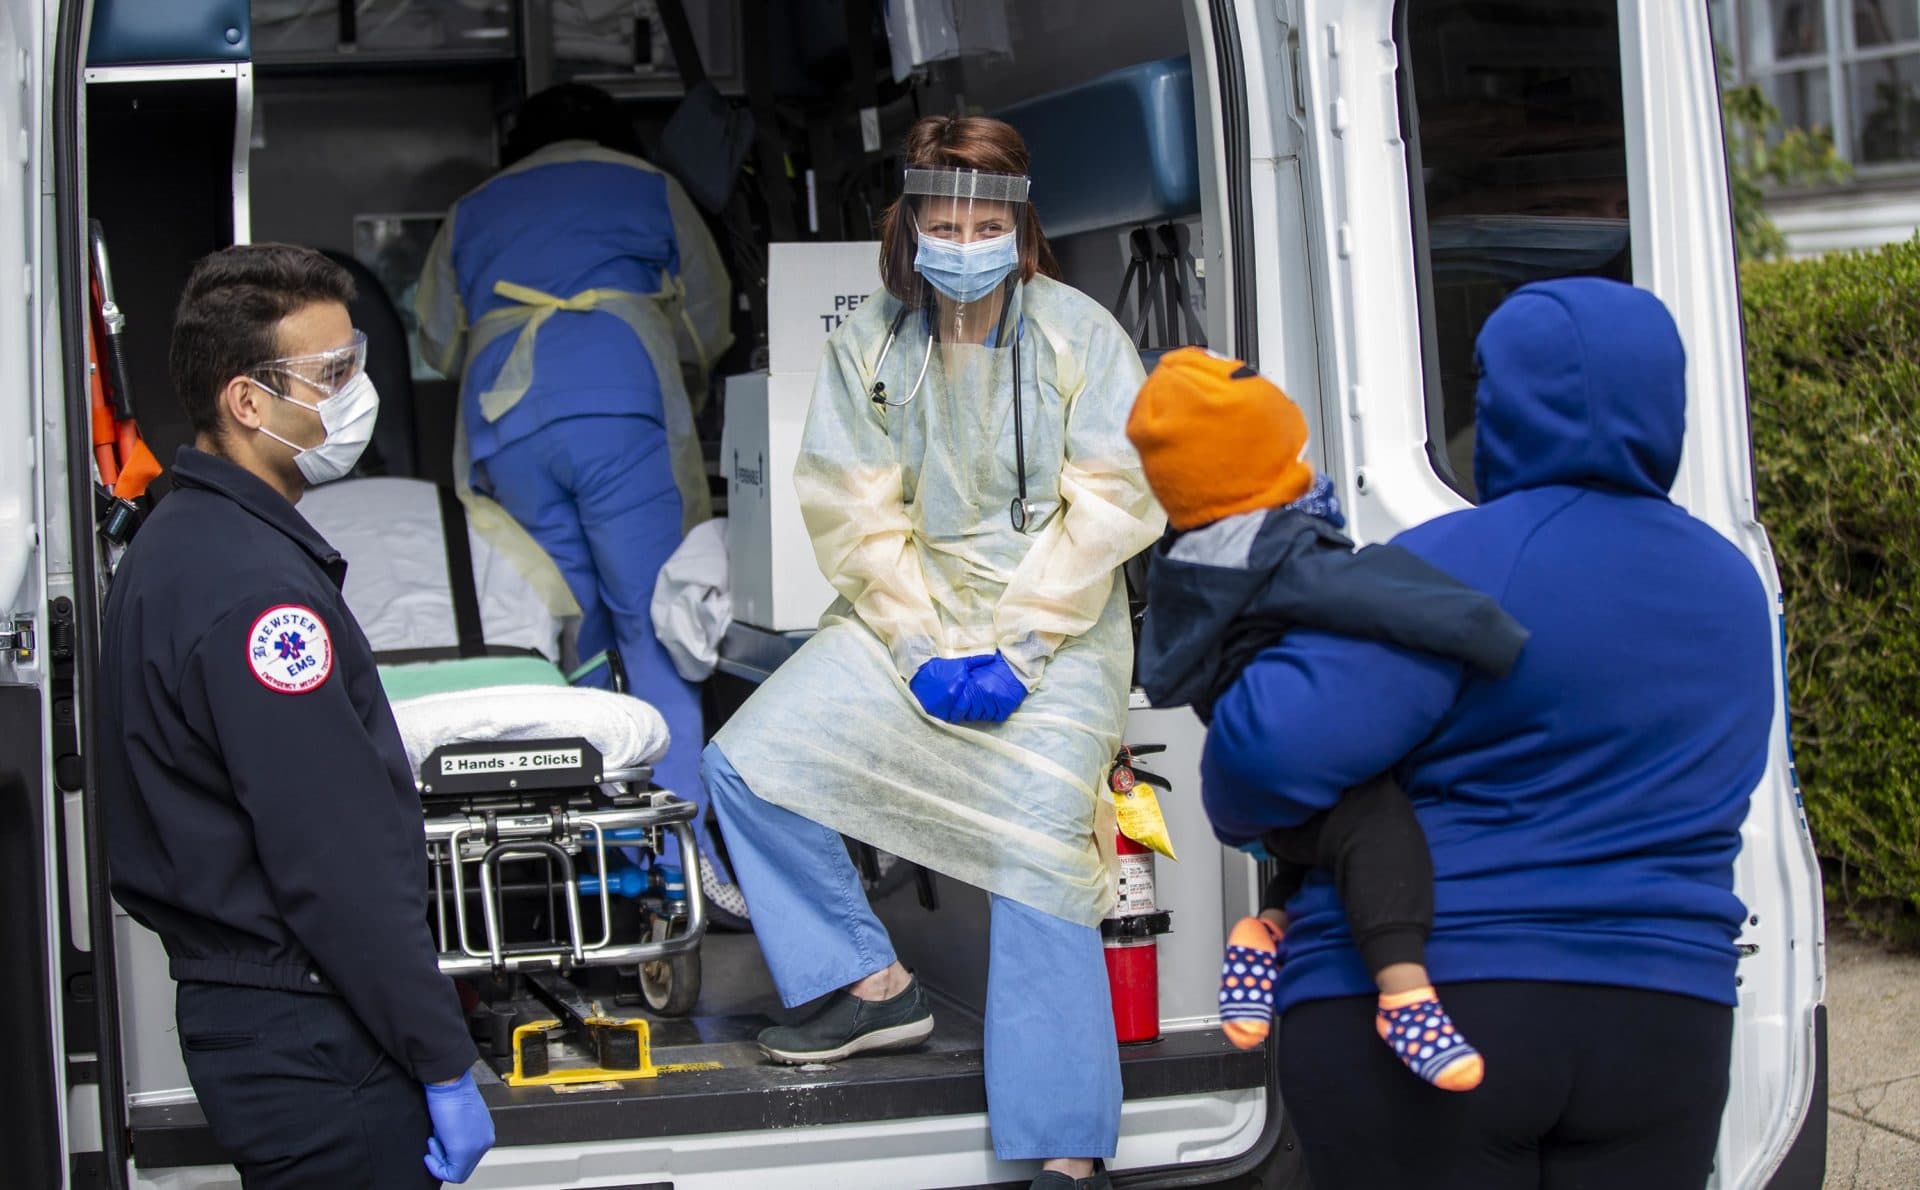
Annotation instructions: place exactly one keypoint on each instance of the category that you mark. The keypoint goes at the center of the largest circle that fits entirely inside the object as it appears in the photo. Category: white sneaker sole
(895, 1037)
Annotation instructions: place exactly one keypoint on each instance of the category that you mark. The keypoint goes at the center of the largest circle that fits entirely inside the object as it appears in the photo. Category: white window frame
(1839, 59)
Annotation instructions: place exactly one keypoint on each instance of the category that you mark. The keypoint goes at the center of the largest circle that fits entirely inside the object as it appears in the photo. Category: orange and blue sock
(1247, 981)
(1425, 1039)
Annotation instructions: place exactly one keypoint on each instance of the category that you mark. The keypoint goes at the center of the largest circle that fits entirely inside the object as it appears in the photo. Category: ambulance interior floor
(745, 1092)
(737, 1000)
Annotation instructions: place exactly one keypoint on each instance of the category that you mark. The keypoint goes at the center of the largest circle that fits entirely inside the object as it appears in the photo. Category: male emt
(259, 813)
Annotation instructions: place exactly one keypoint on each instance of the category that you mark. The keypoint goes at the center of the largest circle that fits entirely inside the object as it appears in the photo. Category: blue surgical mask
(966, 272)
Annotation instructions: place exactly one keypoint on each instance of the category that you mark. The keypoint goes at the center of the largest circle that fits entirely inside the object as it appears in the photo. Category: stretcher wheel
(671, 986)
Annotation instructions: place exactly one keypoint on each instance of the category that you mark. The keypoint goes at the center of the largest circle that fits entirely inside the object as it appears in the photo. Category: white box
(777, 585)
(811, 288)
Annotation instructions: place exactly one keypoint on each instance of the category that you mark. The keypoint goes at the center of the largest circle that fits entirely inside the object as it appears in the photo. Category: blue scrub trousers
(1053, 1066)
(598, 494)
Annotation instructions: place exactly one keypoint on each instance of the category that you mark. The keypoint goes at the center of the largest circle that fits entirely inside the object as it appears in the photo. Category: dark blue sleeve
(343, 851)
(1313, 717)
(1389, 593)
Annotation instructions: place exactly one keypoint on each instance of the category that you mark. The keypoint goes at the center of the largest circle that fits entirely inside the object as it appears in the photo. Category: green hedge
(1833, 366)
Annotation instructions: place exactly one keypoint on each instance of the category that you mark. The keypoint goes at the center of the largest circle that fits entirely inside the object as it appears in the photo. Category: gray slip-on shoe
(846, 1025)
(1054, 1180)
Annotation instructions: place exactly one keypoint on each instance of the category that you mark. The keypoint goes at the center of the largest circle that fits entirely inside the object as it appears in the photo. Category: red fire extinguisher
(1131, 933)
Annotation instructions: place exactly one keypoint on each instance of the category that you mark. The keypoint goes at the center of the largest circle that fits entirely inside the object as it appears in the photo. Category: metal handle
(491, 910)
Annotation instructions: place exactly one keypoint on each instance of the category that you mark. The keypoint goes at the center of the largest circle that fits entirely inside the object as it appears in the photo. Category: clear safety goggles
(325, 372)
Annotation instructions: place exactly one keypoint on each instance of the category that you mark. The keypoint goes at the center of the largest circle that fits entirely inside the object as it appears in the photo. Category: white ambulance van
(1339, 191)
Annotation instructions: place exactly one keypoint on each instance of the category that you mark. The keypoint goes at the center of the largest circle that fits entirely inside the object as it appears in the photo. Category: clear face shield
(969, 233)
(962, 339)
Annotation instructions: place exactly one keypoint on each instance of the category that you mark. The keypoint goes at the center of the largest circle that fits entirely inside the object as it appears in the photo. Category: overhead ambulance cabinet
(622, 46)
(146, 33)
(389, 33)
(1117, 151)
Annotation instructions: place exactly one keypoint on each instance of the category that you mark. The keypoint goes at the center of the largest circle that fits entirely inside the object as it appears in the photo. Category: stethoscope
(1021, 511)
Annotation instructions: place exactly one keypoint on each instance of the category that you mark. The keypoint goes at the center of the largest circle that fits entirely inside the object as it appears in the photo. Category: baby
(1255, 550)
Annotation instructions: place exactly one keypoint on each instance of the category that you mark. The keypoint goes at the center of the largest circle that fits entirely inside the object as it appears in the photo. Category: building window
(1514, 121)
(1849, 66)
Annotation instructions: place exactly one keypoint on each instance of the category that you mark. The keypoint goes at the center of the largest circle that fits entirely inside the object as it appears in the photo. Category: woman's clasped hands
(981, 689)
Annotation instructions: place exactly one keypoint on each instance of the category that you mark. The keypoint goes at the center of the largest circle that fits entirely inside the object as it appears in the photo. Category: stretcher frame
(476, 823)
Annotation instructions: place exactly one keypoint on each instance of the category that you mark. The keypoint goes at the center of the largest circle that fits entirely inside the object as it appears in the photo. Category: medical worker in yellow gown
(971, 494)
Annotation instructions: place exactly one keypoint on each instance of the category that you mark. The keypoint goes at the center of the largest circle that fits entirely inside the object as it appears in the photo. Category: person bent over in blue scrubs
(568, 292)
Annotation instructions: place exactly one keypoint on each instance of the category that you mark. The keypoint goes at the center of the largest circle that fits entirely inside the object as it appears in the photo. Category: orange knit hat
(1217, 439)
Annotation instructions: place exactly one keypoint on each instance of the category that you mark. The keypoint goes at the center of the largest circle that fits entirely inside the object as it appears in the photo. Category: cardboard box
(777, 585)
(811, 289)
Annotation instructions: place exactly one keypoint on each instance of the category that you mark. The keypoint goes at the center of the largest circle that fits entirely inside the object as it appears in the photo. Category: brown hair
(964, 142)
(228, 320)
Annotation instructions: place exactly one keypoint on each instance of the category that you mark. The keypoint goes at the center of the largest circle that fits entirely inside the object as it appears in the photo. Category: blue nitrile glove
(969, 706)
(993, 692)
(938, 685)
(462, 1129)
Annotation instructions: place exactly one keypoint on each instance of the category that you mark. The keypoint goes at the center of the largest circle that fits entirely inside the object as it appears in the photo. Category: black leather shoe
(847, 1025)
(1054, 1180)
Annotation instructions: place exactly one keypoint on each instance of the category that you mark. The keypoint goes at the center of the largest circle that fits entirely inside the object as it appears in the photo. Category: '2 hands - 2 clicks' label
(476, 763)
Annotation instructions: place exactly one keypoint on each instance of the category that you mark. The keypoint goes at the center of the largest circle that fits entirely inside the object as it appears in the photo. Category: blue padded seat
(1117, 151)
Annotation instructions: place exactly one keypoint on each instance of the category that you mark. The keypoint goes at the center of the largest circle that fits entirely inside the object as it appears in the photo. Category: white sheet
(388, 529)
(692, 604)
(627, 731)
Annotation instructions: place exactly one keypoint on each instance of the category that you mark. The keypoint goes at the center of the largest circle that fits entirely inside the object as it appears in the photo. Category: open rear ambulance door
(1422, 159)
(34, 1125)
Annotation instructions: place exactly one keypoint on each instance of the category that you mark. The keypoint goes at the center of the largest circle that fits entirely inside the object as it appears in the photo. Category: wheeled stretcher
(544, 828)
(540, 809)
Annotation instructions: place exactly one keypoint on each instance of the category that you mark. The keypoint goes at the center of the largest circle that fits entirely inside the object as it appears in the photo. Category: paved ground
(1873, 1070)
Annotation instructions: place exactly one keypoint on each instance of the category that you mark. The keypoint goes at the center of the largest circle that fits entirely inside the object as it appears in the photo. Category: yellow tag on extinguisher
(1137, 808)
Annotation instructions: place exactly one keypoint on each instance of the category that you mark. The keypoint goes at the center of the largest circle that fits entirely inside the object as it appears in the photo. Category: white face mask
(347, 416)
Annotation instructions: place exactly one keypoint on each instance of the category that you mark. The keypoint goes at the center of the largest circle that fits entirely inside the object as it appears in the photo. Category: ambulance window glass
(1515, 130)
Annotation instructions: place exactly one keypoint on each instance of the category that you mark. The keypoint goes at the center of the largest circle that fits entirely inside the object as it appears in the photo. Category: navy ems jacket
(259, 814)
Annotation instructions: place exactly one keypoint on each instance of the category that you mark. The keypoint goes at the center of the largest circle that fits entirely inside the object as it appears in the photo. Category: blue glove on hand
(938, 685)
(462, 1129)
(993, 691)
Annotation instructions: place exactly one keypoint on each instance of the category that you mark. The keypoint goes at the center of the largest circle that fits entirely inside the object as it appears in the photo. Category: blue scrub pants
(1053, 1067)
(598, 494)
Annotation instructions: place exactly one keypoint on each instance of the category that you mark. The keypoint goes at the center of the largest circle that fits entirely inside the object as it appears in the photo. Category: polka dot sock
(1423, 1036)
(1247, 979)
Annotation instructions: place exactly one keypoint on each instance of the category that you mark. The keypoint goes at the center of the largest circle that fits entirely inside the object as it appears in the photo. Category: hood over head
(1582, 382)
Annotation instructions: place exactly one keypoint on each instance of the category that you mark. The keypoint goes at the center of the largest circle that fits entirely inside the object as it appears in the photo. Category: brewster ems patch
(289, 649)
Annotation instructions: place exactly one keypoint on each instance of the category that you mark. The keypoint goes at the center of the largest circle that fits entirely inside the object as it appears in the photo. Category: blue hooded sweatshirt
(1584, 812)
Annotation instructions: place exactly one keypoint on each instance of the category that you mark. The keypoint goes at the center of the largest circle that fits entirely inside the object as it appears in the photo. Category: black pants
(1587, 1088)
(299, 1094)
(1372, 843)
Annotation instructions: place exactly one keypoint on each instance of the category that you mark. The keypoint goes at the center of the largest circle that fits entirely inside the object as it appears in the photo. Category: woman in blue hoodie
(1583, 813)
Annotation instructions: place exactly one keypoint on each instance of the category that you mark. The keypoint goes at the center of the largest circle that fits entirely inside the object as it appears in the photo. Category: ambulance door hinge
(60, 641)
(69, 774)
(18, 639)
(1297, 72)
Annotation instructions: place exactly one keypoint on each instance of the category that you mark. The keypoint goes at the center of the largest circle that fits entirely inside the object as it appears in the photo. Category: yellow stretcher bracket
(622, 1050)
